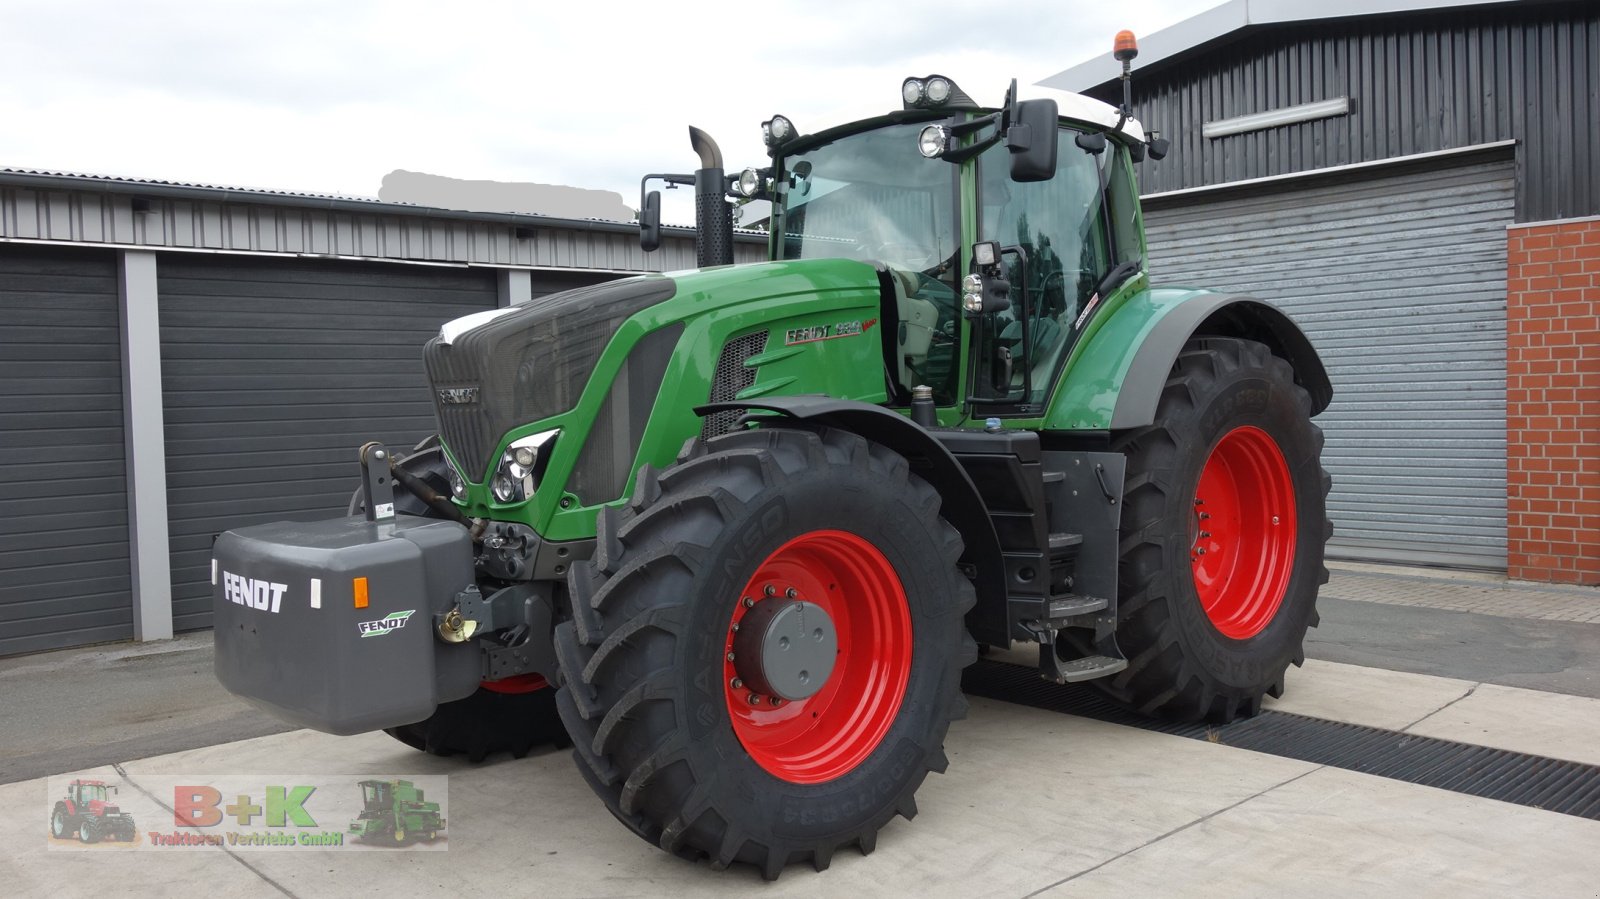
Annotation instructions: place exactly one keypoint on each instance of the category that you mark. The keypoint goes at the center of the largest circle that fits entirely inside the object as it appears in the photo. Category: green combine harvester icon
(395, 811)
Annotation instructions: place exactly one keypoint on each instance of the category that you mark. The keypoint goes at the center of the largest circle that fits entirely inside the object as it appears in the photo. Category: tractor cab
(377, 797)
(86, 793)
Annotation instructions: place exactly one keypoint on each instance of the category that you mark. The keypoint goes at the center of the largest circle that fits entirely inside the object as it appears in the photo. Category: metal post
(144, 445)
(515, 286)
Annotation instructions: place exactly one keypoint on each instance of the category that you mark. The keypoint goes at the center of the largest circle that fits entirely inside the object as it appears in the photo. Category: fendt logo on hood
(252, 592)
(458, 396)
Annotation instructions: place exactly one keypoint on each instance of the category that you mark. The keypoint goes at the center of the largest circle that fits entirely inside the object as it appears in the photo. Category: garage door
(1399, 279)
(274, 373)
(64, 573)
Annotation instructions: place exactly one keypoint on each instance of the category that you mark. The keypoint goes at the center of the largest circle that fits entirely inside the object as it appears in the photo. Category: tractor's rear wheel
(512, 715)
(1224, 525)
(766, 650)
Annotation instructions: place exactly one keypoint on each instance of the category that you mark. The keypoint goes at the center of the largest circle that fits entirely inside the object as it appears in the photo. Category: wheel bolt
(1205, 533)
(730, 656)
(1199, 502)
(736, 683)
(769, 590)
(1274, 519)
(790, 593)
(1204, 515)
(754, 699)
(748, 602)
(1199, 551)
(775, 700)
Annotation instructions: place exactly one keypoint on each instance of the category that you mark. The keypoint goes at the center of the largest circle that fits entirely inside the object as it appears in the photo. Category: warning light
(359, 586)
(1125, 47)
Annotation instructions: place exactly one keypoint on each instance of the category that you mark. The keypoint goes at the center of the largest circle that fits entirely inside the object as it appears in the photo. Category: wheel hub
(785, 648)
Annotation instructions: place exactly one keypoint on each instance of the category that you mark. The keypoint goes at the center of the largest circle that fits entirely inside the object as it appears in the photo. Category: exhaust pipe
(713, 215)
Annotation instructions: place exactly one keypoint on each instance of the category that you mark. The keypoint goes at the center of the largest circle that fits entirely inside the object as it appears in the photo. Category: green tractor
(395, 811)
(754, 520)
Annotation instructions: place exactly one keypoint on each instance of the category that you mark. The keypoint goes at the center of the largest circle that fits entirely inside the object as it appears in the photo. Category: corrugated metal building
(162, 345)
(1374, 167)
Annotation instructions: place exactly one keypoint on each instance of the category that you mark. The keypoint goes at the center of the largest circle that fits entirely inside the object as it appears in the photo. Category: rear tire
(61, 824)
(662, 733)
(492, 720)
(1213, 610)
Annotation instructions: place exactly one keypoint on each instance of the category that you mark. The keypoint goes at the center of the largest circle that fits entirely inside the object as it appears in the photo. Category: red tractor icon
(87, 812)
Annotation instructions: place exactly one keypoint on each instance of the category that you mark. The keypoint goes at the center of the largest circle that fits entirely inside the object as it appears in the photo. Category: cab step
(1086, 668)
(1071, 605)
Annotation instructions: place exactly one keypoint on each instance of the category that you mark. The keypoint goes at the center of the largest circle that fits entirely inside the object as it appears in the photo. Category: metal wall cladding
(1416, 83)
(1399, 280)
(64, 567)
(89, 216)
(274, 372)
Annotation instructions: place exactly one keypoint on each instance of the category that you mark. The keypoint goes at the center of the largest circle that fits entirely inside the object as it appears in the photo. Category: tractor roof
(88, 783)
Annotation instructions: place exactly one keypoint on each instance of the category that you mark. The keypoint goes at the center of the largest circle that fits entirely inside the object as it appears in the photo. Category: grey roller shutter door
(274, 373)
(64, 571)
(1399, 279)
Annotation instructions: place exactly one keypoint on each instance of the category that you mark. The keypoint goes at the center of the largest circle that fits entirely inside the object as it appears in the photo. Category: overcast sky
(329, 95)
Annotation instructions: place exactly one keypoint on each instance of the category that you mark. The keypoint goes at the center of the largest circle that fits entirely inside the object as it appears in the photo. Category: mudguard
(963, 507)
(1114, 380)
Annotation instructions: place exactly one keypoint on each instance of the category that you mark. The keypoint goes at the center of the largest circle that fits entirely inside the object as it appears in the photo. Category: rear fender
(962, 505)
(1115, 379)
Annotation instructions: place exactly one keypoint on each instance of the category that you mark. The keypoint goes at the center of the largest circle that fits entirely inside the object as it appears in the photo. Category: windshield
(870, 196)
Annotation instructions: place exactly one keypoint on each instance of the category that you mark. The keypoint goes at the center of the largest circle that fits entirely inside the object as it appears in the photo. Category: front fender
(1115, 378)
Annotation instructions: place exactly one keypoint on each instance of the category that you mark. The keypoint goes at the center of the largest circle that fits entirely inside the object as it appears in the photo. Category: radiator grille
(732, 376)
(529, 364)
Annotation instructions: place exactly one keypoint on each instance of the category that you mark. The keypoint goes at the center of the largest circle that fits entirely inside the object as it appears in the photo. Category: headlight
(749, 183)
(458, 484)
(911, 91)
(938, 90)
(932, 141)
(521, 465)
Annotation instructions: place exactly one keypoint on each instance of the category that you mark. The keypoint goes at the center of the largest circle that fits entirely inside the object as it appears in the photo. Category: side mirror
(1032, 139)
(650, 222)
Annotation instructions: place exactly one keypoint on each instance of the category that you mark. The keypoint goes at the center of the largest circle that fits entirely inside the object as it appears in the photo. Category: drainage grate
(1555, 785)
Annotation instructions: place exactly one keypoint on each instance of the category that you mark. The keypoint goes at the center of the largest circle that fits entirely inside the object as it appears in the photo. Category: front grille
(730, 377)
(529, 364)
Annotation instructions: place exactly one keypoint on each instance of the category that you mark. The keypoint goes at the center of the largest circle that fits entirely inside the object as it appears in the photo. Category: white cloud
(328, 97)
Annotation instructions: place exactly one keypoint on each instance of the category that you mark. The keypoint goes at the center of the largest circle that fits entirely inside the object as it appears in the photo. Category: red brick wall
(1553, 402)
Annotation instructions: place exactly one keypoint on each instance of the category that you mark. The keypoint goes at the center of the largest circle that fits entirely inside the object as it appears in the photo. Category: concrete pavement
(1035, 802)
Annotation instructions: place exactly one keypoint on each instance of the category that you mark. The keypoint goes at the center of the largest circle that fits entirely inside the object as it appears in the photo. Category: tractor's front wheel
(766, 650)
(1224, 524)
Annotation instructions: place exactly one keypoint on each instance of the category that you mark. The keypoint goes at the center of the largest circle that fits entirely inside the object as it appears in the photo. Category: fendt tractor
(736, 531)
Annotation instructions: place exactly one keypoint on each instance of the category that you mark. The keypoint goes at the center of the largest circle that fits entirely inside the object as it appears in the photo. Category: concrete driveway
(1035, 803)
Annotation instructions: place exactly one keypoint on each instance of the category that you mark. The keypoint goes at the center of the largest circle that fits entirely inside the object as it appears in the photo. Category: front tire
(683, 744)
(1224, 526)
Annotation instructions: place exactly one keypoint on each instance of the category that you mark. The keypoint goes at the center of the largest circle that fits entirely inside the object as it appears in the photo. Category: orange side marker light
(359, 585)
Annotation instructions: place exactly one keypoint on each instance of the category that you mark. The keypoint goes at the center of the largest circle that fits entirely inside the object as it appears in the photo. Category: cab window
(1054, 249)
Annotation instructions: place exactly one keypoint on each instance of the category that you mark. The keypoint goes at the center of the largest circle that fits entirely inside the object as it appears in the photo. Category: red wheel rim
(826, 735)
(520, 683)
(1243, 532)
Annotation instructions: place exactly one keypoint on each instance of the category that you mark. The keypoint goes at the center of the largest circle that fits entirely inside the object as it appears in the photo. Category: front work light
(933, 92)
(776, 130)
(933, 140)
(749, 183)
